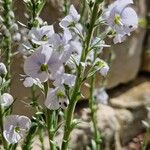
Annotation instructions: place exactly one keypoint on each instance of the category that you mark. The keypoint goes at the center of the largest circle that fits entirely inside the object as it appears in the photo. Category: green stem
(69, 117)
(27, 145)
(71, 107)
(1, 127)
(50, 122)
(145, 140)
(93, 109)
(14, 146)
(83, 10)
(35, 12)
(37, 109)
(66, 6)
(41, 138)
(7, 5)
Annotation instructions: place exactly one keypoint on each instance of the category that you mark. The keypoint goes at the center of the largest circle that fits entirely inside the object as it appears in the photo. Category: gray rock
(116, 121)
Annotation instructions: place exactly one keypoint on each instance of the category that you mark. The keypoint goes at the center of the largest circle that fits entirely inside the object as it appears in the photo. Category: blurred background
(128, 83)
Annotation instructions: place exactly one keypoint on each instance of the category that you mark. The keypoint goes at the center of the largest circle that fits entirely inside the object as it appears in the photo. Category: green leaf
(5, 85)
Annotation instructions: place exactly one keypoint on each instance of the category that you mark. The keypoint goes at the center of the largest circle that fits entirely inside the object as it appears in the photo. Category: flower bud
(17, 37)
(3, 70)
(6, 99)
(104, 70)
(14, 27)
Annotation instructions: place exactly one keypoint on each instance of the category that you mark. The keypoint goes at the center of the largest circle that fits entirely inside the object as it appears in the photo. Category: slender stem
(1, 127)
(145, 140)
(14, 146)
(50, 121)
(7, 5)
(66, 6)
(71, 107)
(83, 10)
(34, 13)
(41, 138)
(69, 117)
(93, 109)
(37, 109)
(28, 140)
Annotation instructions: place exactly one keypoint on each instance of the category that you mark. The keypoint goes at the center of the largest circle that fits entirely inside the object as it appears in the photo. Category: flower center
(60, 94)
(117, 19)
(44, 38)
(17, 129)
(44, 67)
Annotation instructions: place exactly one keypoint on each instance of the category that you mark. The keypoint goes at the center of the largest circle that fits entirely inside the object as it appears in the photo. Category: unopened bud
(3, 70)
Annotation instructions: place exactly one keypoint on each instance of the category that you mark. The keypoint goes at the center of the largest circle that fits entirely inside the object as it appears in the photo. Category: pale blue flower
(101, 96)
(42, 63)
(15, 128)
(71, 19)
(6, 99)
(29, 82)
(3, 70)
(61, 45)
(64, 78)
(104, 70)
(76, 51)
(56, 99)
(41, 35)
(101, 66)
(121, 18)
(25, 48)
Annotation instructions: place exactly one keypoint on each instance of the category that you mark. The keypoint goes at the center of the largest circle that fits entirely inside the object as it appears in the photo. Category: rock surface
(146, 44)
(119, 122)
(146, 61)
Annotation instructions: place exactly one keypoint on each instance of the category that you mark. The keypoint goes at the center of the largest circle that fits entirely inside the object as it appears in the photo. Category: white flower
(41, 35)
(25, 48)
(119, 38)
(15, 128)
(3, 70)
(61, 46)
(76, 50)
(104, 70)
(56, 99)
(101, 96)
(14, 27)
(41, 63)
(99, 44)
(29, 82)
(71, 19)
(101, 66)
(121, 18)
(6, 100)
(64, 78)
(17, 37)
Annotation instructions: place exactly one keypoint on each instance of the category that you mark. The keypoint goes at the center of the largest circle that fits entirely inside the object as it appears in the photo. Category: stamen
(17, 129)
(60, 94)
(44, 38)
(117, 19)
(44, 67)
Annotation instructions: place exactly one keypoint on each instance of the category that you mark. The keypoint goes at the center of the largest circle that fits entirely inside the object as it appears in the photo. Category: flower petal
(51, 101)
